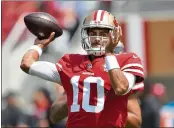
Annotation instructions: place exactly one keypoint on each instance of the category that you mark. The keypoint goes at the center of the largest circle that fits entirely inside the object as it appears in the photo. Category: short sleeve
(134, 66)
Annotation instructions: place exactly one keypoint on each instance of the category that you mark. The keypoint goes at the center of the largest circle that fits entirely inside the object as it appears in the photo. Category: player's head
(95, 31)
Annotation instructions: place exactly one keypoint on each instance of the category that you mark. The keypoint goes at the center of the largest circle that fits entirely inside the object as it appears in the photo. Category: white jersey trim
(134, 70)
(59, 65)
(131, 80)
(132, 65)
(137, 86)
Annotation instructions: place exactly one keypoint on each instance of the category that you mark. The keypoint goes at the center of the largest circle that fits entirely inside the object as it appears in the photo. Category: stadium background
(148, 30)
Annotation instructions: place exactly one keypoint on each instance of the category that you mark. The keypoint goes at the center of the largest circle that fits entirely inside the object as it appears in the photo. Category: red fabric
(134, 59)
(114, 111)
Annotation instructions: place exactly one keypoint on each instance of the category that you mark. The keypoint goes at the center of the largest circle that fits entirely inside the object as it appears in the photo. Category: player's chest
(92, 75)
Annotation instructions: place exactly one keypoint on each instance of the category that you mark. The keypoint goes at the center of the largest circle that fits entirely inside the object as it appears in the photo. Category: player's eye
(104, 34)
(91, 34)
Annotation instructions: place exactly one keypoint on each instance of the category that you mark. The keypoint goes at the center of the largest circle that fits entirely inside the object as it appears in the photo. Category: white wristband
(37, 48)
(111, 62)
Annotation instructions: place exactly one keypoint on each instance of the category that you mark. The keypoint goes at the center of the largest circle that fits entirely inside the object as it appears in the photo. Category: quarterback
(59, 109)
(98, 84)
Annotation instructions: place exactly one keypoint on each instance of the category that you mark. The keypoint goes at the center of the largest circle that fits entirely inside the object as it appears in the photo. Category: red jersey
(90, 97)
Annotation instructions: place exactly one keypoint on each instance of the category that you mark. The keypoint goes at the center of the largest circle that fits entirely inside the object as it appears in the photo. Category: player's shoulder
(128, 59)
(69, 58)
(127, 55)
(73, 56)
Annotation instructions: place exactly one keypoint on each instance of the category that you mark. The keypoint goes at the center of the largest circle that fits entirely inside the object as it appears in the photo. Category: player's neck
(92, 57)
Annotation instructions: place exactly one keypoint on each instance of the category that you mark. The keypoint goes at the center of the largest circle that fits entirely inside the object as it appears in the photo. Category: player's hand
(43, 43)
(114, 37)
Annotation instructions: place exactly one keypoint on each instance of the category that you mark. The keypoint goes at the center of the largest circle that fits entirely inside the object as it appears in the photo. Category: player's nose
(97, 40)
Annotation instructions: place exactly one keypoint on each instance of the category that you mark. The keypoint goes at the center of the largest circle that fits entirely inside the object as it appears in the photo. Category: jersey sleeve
(63, 63)
(63, 66)
(134, 66)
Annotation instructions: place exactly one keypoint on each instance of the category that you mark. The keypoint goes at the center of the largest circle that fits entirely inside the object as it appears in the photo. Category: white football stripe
(59, 65)
(134, 70)
(131, 65)
(136, 86)
(99, 15)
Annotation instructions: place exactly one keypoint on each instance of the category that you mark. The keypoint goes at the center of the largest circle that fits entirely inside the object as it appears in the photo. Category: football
(42, 24)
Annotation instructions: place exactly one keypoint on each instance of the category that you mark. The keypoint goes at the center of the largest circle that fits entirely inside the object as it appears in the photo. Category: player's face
(98, 37)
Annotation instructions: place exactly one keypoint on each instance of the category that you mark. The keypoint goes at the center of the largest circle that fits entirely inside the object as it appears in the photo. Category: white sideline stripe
(131, 65)
(99, 15)
(136, 86)
(134, 70)
(60, 66)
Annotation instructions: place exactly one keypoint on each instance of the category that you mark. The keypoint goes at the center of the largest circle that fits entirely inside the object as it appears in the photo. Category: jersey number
(75, 107)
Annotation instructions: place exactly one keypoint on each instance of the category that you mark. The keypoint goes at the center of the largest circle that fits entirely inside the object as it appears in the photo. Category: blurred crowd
(17, 112)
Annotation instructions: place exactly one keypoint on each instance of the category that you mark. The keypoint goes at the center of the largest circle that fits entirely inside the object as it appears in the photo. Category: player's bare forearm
(58, 112)
(59, 109)
(134, 119)
(118, 81)
(28, 59)
(32, 55)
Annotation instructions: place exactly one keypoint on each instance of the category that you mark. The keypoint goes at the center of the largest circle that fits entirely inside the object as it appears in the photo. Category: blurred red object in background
(11, 11)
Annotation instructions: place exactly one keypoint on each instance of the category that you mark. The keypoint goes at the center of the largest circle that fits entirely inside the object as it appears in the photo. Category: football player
(98, 84)
(59, 109)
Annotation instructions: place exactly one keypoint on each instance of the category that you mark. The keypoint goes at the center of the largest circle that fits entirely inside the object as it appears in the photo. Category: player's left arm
(59, 109)
(119, 79)
(134, 119)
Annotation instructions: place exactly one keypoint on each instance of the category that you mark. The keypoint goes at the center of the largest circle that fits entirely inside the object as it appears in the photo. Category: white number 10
(75, 107)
